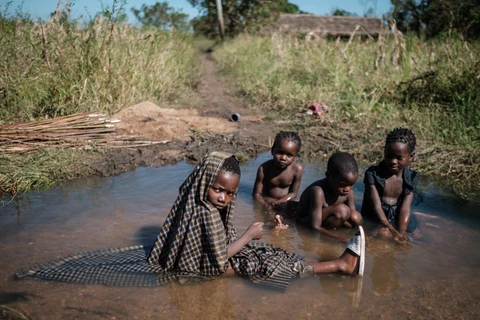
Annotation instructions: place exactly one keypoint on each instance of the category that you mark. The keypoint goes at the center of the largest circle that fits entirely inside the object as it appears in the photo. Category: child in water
(198, 237)
(329, 203)
(389, 187)
(278, 180)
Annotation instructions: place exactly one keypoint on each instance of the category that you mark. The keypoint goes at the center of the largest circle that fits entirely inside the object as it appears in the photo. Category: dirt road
(188, 133)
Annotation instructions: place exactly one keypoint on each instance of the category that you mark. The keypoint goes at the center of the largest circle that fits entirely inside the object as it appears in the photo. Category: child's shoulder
(298, 167)
(375, 168)
(410, 176)
(267, 164)
(409, 170)
(319, 184)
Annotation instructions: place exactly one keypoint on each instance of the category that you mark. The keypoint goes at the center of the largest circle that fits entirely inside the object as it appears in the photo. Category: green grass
(60, 67)
(371, 86)
(40, 170)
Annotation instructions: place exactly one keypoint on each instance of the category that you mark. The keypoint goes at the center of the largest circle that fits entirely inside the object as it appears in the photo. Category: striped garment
(191, 246)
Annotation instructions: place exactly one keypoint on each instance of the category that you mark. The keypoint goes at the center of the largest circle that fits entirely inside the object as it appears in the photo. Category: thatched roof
(326, 25)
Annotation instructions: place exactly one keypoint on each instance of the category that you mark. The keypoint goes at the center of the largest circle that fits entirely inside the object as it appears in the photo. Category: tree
(433, 17)
(291, 8)
(239, 15)
(341, 12)
(162, 16)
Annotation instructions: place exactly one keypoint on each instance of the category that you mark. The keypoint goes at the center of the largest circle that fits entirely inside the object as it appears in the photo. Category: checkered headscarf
(193, 239)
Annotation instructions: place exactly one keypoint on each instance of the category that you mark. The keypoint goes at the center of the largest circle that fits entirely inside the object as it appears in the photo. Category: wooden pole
(220, 19)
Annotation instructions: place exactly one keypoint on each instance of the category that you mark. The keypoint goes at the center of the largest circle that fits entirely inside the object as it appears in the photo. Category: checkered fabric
(114, 267)
(193, 239)
(191, 246)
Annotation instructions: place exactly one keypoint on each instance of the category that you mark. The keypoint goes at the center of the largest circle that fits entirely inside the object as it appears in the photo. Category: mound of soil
(151, 122)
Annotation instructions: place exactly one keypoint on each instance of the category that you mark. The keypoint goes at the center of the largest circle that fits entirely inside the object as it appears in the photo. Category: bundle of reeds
(79, 130)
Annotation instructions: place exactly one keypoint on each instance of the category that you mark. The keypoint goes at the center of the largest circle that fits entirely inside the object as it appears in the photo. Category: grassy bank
(63, 66)
(60, 67)
(371, 86)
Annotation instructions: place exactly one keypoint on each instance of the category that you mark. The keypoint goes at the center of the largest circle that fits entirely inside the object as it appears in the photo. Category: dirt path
(187, 133)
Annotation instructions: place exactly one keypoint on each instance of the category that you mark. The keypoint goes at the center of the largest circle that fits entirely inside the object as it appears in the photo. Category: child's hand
(400, 237)
(279, 223)
(269, 209)
(255, 231)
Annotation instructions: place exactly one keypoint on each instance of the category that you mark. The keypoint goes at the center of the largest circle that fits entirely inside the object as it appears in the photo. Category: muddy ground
(188, 133)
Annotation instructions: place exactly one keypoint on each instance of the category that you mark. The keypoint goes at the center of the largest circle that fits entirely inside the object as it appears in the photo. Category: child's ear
(412, 156)
(327, 175)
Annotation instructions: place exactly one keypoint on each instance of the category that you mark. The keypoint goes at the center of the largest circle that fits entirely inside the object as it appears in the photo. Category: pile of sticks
(76, 131)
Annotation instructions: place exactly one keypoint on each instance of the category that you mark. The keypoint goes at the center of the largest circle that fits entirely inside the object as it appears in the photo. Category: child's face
(397, 156)
(341, 185)
(223, 189)
(284, 153)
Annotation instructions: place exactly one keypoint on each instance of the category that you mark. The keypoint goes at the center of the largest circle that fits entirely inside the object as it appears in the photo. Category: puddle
(433, 277)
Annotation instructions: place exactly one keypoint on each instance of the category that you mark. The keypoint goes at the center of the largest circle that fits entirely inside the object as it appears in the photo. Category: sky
(43, 8)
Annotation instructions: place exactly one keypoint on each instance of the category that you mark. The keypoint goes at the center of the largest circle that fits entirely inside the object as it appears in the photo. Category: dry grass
(371, 86)
(62, 67)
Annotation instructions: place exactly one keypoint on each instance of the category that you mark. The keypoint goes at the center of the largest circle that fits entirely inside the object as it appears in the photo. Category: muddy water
(435, 277)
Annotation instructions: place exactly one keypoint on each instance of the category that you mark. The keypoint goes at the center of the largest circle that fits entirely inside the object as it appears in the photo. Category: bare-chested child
(328, 204)
(278, 180)
(389, 187)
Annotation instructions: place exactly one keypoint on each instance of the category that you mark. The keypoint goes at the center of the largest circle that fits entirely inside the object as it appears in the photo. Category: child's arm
(254, 232)
(374, 198)
(294, 187)
(404, 214)
(316, 214)
(258, 190)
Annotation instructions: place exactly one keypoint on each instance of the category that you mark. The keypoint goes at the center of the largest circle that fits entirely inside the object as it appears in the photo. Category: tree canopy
(343, 13)
(433, 17)
(162, 16)
(239, 16)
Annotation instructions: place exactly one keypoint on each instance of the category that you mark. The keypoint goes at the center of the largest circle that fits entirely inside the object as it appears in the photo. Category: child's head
(399, 149)
(342, 172)
(285, 148)
(225, 186)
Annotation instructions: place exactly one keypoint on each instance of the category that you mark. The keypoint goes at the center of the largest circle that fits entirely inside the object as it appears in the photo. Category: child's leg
(335, 216)
(413, 227)
(352, 261)
(384, 233)
(355, 219)
(346, 263)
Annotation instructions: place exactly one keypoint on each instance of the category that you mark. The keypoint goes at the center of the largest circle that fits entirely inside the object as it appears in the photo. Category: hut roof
(327, 25)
